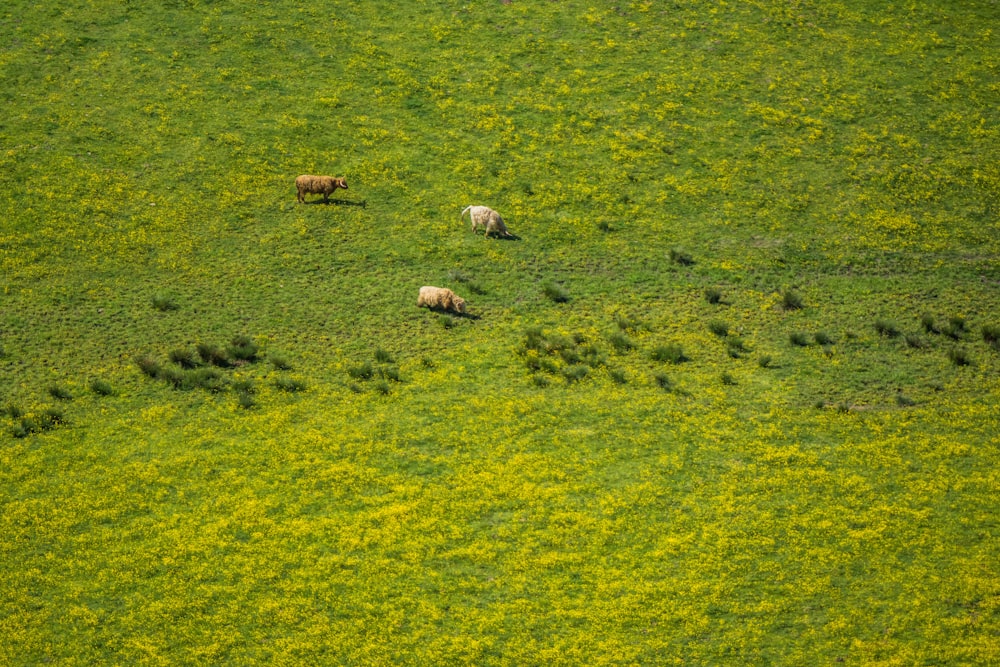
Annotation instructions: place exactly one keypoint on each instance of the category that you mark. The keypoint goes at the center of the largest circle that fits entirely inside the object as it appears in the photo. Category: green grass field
(730, 397)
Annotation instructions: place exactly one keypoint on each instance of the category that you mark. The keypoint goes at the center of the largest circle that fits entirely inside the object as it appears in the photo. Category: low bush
(620, 342)
(678, 256)
(904, 401)
(617, 375)
(539, 380)
(555, 292)
(148, 365)
(246, 400)
(575, 373)
(823, 338)
(363, 371)
(927, 321)
(164, 303)
(886, 328)
(915, 342)
(719, 328)
(213, 355)
(280, 363)
(727, 378)
(764, 361)
(242, 348)
(447, 321)
(290, 385)
(672, 353)
(736, 347)
(184, 358)
(13, 411)
(663, 381)
(959, 356)
(60, 393)
(101, 387)
(798, 339)
(791, 300)
(383, 357)
(713, 295)
(626, 323)
(991, 336)
(382, 387)
(389, 373)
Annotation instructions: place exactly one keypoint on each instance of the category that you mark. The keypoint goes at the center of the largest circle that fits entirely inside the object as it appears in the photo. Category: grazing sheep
(318, 185)
(440, 298)
(490, 220)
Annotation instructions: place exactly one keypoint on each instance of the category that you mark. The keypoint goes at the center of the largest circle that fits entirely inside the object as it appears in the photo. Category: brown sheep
(318, 185)
(440, 298)
(487, 218)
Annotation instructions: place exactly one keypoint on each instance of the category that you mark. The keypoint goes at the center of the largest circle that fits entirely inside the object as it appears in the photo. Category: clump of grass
(184, 358)
(213, 355)
(383, 357)
(593, 356)
(13, 411)
(242, 348)
(915, 342)
(617, 375)
(823, 338)
(798, 339)
(991, 335)
(678, 256)
(244, 386)
(713, 295)
(540, 380)
(886, 328)
(719, 328)
(663, 381)
(843, 407)
(204, 378)
(904, 401)
(956, 328)
(575, 372)
(363, 371)
(736, 347)
(290, 385)
(279, 362)
(927, 320)
(570, 355)
(727, 378)
(672, 353)
(791, 300)
(382, 387)
(356, 388)
(764, 361)
(389, 373)
(174, 377)
(246, 400)
(959, 356)
(101, 387)
(60, 393)
(164, 303)
(427, 362)
(148, 365)
(446, 321)
(604, 226)
(620, 342)
(555, 292)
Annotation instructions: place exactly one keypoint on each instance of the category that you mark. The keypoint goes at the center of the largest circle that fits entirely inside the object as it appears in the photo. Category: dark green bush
(184, 358)
(13, 411)
(713, 295)
(823, 338)
(101, 387)
(991, 335)
(389, 373)
(927, 320)
(50, 418)
(904, 401)
(915, 342)
(719, 328)
(446, 321)
(672, 353)
(148, 365)
(736, 347)
(363, 371)
(663, 381)
(575, 373)
(242, 348)
(626, 323)
(555, 292)
(886, 328)
(60, 393)
(798, 338)
(539, 380)
(791, 300)
(279, 362)
(382, 387)
(212, 354)
(617, 375)
(246, 400)
(620, 342)
(764, 361)
(678, 256)
(383, 357)
(290, 385)
(959, 356)
(727, 378)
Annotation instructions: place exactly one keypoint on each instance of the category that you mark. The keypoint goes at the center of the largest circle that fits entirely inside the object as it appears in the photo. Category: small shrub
(290, 385)
(533, 361)
(101, 387)
(663, 381)
(280, 363)
(243, 349)
(539, 380)
(927, 321)
(246, 400)
(446, 321)
(184, 358)
(959, 356)
(669, 353)
(211, 354)
(678, 256)
(575, 373)
(50, 418)
(555, 292)
(534, 339)
(904, 401)
(356, 388)
(389, 373)
(362, 371)
(604, 226)
(620, 342)
(205, 378)
(736, 347)
(383, 357)
(719, 328)
(13, 411)
(148, 365)
(427, 362)
(727, 378)
(617, 375)
(60, 393)
(713, 295)
(791, 300)
(843, 407)
(244, 387)
(164, 303)
(822, 338)
(991, 336)
(382, 387)
(570, 355)
(593, 357)
(886, 328)
(798, 339)
(174, 377)
(915, 342)
(764, 361)
(26, 427)
(958, 323)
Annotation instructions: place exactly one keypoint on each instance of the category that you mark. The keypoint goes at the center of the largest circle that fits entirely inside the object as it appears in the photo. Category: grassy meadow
(729, 397)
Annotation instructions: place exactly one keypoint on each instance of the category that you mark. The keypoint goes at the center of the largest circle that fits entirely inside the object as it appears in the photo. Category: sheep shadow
(458, 316)
(340, 202)
(509, 237)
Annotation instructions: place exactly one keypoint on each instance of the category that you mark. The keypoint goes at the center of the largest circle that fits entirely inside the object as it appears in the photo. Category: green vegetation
(536, 481)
